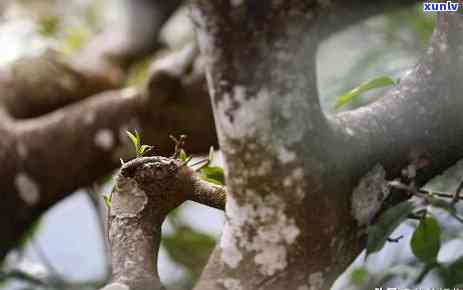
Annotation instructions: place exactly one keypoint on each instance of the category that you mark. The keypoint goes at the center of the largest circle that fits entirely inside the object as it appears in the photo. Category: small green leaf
(425, 242)
(107, 200)
(388, 221)
(213, 174)
(359, 276)
(211, 154)
(143, 149)
(182, 155)
(379, 82)
(135, 138)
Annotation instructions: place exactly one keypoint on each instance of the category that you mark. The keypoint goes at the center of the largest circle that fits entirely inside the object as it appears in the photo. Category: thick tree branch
(82, 142)
(146, 190)
(275, 138)
(37, 85)
(419, 121)
(34, 86)
(261, 77)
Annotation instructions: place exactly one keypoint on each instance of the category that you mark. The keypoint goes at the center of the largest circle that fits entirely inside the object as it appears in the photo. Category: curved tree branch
(146, 190)
(419, 121)
(82, 142)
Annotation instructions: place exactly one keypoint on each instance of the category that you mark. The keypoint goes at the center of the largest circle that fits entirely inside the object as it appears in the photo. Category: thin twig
(456, 197)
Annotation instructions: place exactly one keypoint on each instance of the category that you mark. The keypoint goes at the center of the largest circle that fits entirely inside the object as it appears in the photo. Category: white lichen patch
(104, 138)
(369, 195)
(241, 115)
(259, 228)
(285, 156)
(232, 284)
(316, 281)
(231, 255)
(128, 200)
(28, 189)
(295, 179)
(349, 131)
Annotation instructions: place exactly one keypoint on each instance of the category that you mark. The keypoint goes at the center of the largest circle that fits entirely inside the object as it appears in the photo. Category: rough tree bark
(302, 186)
(63, 125)
(296, 213)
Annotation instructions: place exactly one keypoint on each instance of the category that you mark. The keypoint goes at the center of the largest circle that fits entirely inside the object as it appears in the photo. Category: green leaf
(387, 223)
(379, 82)
(425, 242)
(135, 138)
(189, 248)
(107, 200)
(453, 274)
(143, 149)
(213, 174)
(359, 276)
(182, 155)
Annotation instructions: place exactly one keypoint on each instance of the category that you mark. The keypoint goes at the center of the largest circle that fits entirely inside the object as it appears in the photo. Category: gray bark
(292, 218)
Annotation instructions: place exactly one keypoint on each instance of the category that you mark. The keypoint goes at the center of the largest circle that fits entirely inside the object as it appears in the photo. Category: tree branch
(275, 138)
(34, 86)
(289, 167)
(146, 190)
(419, 121)
(82, 142)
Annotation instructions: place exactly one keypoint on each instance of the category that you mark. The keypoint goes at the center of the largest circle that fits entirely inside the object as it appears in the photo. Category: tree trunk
(298, 206)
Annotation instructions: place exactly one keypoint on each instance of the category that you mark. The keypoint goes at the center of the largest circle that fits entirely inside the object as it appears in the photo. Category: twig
(179, 144)
(395, 240)
(456, 197)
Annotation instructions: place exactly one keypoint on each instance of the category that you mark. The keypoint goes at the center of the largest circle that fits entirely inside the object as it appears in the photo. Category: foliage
(189, 248)
(378, 82)
(380, 232)
(139, 148)
(107, 200)
(420, 25)
(138, 72)
(425, 242)
(359, 276)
